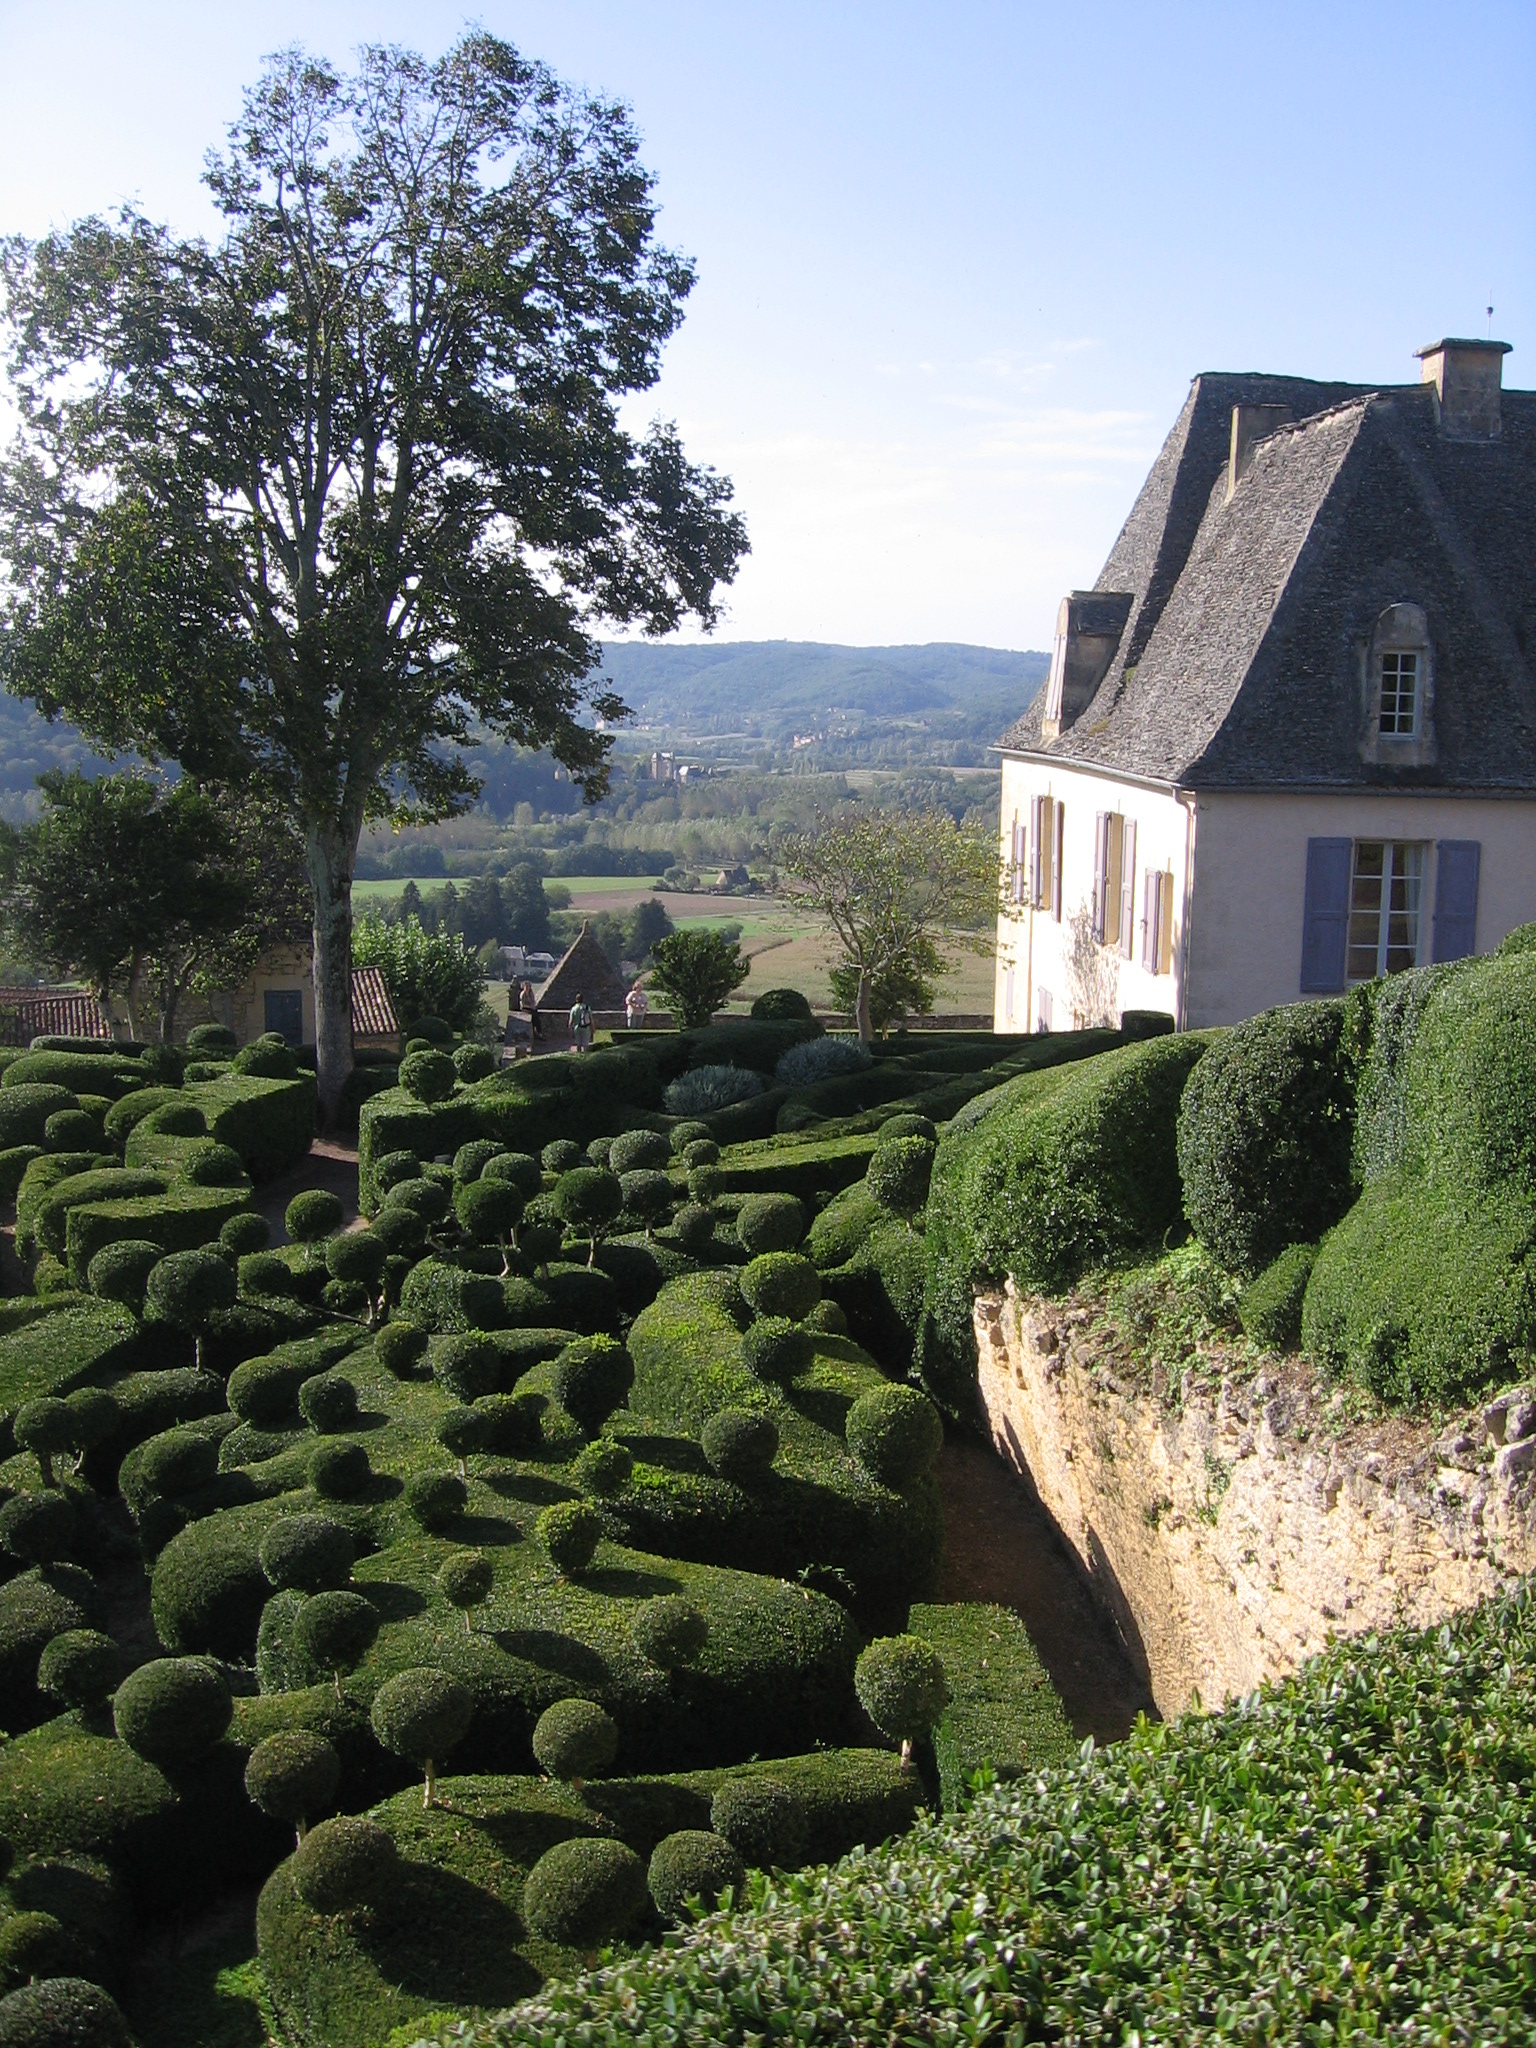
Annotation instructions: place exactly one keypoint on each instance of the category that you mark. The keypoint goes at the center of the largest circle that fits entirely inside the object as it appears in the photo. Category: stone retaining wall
(1231, 1537)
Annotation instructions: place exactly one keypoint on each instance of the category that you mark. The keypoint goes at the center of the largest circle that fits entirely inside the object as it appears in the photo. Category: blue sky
(958, 262)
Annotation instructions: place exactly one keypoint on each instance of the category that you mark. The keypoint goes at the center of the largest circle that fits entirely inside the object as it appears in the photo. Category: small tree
(592, 1378)
(426, 973)
(588, 1198)
(173, 1710)
(570, 1531)
(335, 1630)
(697, 971)
(464, 1580)
(901, 1686)
(81, 1668)
(489, 1212)
(422, 1715)
(575, 1740)
(187, 1289)
(44, 1427)
(892, 885)
(292, 1775)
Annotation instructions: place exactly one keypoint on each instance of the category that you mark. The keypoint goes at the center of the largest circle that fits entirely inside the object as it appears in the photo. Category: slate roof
(1240, 664)
(28, 1013)
(373, 1014)
(584, 969)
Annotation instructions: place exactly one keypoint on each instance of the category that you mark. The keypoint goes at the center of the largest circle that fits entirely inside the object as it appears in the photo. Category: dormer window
(1400, 691)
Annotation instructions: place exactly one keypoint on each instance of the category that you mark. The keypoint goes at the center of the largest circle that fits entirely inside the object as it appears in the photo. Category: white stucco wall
(1087, 983)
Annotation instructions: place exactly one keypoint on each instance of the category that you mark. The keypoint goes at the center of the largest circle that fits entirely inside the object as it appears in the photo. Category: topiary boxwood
(587, 1199)
(669, 1630)
(266, 1059)
(344, 1864)
(562, 1155)
(473, 1062)
(468, 1365)
(328, 1402)
(36, 1946)
(899, 1172)
(584, 1892)
(684, 1134)
(908, 1124)
(119, 1272)
(488, 1212)
(173, 1710)
(208, 1590)
(603, 1469)
(519, 1169)
(702, 1152)
(332, 1631)
(435, 1500)
(422, 1715)
(338, 1470)
(72, 1130)
(896, 1433)
(186, 1289)
(265, 1276)
(575, 1739)
(901, 1685)
(394, 1167)
(781, 1284)
(427, 1200)
(211, 1165)
(428, 1076)
(776, 1350)
(400, 1347)
(37, 1528)
(1265, 1135)
(1269, 1307)
(769, 1223)
(212, 1042)
(312, 1552)
(740, 1444)
(248, 1232)
(781, 1006)
(762, 1820)
(570, 1531)
(62, 2012)
(357, 1258)
(80, 1668)
(592, 1379)
(693, 1226)
(693, 1864)
(292, 1776)
(464, 1580)
(312, 1215)
(634, 1151)
(648, 1195)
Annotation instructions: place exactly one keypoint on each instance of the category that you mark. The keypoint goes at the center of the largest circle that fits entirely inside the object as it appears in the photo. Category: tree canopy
(306, 506)
(698, 970)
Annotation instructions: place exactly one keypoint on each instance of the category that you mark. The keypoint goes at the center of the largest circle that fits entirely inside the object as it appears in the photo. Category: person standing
(581, 1022)
(530, 1008)
(636, 1006)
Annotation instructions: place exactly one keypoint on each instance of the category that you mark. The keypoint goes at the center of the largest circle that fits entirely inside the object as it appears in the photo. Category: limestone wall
(1232, 1536)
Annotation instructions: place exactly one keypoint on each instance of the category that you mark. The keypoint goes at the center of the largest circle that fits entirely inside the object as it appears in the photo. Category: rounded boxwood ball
(212, 1042)
(210, 1165)
(393, 1167)
(426, 1200)
(400, 1347)
(632, 1151)
(592, 1378)
(334, 1630)
(647, 1194)
(782, 1006)
(179, 1119)
(45, 1427)
(343, 1864)
(435, 1499)
(827, 1319)
(96, 1414)
(328, 1402)
(488, 1211)
(265, 1274)
(62, 2012)
(687, 1133)
(769, 1223)
(781, 1284)
(311, 1552)
(314, 1214)
(172, 1710)
(37, 1946)
(702, 1152)
(777, 1350)
(119, 1272)
(72, 1130)
(598, 1150)
(901, 1686)
(473, 1062)
(38, 1528)
(469, 1161)
(434, 1029)
(895, 1433)
(561, 1155)
(584, 1892)
(669, 1630)
(293, 1775)
(706, 1184)
(519, 1169)
(693, 1864)
(357, 1257)
(464, 1431)
(575, 1739)
(186, 1288)
(570, 1531)
(603, 1468)
(693, 1227)
(465, 1579)
(82, 1667)
(266, 1059)
(429, 1076)
(763, 1822)
(898, 1174)
(338, 1471)
(422, 1715)
(177, 1462)
(740, 1444)
(587, 1198)
(468, 1365)
(907, 1125)
(247, 1232)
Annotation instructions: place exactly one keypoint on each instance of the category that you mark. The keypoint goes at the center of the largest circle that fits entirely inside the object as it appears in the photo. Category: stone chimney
(1467, 376)
(1251, 423)
(1088, 629)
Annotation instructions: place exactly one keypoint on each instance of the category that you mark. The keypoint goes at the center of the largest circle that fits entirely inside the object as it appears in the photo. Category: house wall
(244, 1008)
(1250, 882)
(1087, 983)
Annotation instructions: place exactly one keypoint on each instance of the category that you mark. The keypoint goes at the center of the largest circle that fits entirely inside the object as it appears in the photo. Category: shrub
(489, 1211)
(603, 1468)
(208, 1164)
(763, 1822)
(174, 1463)
(394, 1167)
(264, 1060)
(776, 1350)
(1471, 1079)
(444, 1298)
(901, 1685)
(187, 1289)
(473, 1062)
(669, 1630)
(687, 1133)
(898, 1174)
(243, 1234)
(468, 1365)
(570, 1531)
(263, 1390)
(344, 1864)
(647, 1195)
(62, 2012)
(37, 1528)
(72, 1130)
(36, 1946)
(1265, 1133)
(702, 1089)
(464, 1580)
(292, 1776)
(334, 1630)
(469, 1161)
(434, 1029)
(25, 1110)
(592, 1378)
(597, 1151)
(435, 1500)
(584, 1892)
(693, 1226)
(264, 1275)
(212, 1042)
(1270, 1307)
(574, 1740)
(769, 1223)
(427, 1200)
(822, 1059)
(781, 1006)
(588, 1198)
(314, 1214)
(338, 1471)
(701, 1152)
(781, 1284)
(462, 1432)
(693, 1864)
(311, 1552)
(906, 1125)
(562, 1155)
(173, 1710)
(46, 1428)
(895, 1433)
(634, 1151)
(428, 1076)
(80, 1668)
(828, 1319)
(740, 1444)
(400, 1347)
(706, 1184)
(328, 1403)
(422, 1715)
(357, 1258)
(207, 1592)
(518, 1169)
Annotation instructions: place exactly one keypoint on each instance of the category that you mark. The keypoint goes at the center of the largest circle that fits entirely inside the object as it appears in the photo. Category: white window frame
(1395, 724)
(1384, 913)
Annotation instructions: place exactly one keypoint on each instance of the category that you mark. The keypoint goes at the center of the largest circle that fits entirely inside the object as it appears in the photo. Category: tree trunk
(429, 1792)
(861, 1007)
(132, 992)
(330, 856)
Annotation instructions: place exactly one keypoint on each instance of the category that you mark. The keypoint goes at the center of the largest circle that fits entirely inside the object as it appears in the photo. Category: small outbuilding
(584, 970)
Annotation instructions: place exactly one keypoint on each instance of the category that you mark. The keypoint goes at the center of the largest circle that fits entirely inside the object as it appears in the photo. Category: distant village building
(584, 970)
(28, 1013)
(1288, 740)
(279, 995)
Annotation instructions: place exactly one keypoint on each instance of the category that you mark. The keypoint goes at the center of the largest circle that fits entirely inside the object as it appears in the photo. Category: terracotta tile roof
(28, 1013)
(373, 1014)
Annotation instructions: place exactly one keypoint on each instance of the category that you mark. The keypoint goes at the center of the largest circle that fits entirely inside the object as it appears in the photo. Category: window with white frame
(1400, 691)
(1386, 903)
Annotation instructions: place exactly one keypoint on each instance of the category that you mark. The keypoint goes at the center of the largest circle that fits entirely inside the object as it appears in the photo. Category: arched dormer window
(1399, 689)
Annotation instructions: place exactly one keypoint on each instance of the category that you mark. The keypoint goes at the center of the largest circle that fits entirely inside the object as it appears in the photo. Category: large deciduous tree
(895, 886)
(303, 506)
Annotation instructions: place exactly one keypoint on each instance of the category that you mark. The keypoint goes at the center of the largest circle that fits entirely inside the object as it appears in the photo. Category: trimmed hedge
(182, 1219)
(1270, 1306)
(1004, 1715)
(103, 1184)
(270, 1123)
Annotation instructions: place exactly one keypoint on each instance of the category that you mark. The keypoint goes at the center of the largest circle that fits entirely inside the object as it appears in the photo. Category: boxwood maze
(623, 1440)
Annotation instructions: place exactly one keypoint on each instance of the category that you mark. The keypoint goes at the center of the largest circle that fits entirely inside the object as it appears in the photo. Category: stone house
(279, 995)
(1288, 740)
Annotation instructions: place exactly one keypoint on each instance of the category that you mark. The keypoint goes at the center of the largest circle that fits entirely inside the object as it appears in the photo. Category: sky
(957, 263)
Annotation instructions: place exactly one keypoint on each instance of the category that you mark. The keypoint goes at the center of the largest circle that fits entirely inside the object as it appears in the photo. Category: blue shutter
(1325, 920)
(1457, 862)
